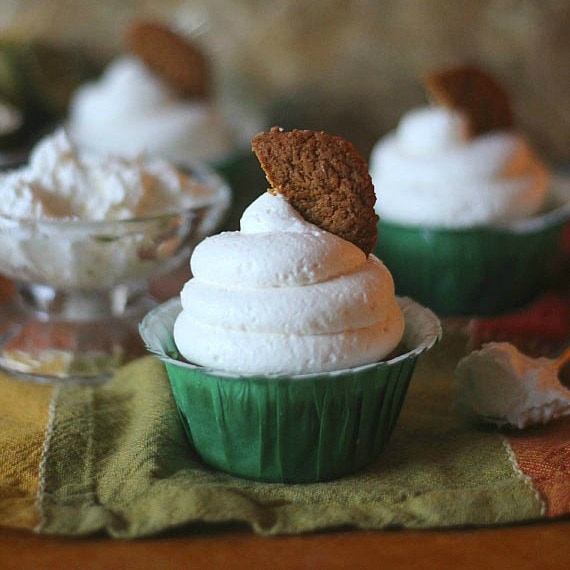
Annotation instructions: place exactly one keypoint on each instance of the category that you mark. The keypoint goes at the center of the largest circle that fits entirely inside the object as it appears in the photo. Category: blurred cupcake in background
(159, 98)
(470, 218)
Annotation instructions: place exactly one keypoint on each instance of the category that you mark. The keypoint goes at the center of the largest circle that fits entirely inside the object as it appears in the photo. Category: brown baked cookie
(474, 92)
(172, 56)
(324, 178)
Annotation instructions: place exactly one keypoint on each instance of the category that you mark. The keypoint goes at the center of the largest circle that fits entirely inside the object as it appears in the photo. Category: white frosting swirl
(131, 110)
(429, 173)
(282, 296)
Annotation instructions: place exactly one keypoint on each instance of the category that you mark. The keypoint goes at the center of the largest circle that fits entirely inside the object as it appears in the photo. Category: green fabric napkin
(118, 461)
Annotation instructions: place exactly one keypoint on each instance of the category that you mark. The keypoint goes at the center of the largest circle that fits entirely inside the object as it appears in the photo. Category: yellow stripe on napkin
(24, 412)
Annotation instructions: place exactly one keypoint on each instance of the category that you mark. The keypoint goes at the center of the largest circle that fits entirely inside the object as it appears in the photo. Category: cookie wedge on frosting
(475, 93)
(324, 178)
(171, 56)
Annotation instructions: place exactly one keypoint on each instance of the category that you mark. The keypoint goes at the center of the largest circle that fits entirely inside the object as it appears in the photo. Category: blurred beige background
(350, 67)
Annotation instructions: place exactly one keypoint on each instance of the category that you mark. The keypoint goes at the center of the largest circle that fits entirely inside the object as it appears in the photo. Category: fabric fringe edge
(525, 478)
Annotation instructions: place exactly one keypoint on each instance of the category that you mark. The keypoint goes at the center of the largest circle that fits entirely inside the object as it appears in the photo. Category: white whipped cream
(429, 173)
(500, 385)
(282, 296)
(61, 182)
(62, 216)
(131, 110)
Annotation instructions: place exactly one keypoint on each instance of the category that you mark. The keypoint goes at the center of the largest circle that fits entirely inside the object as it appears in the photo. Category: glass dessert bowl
(82, 286)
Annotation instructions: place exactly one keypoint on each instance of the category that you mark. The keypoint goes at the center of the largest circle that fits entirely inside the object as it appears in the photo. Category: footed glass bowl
(299, 428)
(82, 287)
(483, 270)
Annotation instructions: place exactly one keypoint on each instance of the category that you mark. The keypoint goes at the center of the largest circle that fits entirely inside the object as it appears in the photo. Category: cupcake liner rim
(157, 325)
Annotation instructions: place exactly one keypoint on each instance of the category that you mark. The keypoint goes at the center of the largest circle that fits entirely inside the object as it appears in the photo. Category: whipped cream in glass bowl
(469, 225)
(82, 235)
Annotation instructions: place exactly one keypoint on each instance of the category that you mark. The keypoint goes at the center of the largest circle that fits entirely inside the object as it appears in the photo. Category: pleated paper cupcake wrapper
(298, 429)
(481, 270)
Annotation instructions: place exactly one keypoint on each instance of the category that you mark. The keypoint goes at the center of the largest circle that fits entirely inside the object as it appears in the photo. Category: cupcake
(288, 354)
(471, 221)
(159, 98)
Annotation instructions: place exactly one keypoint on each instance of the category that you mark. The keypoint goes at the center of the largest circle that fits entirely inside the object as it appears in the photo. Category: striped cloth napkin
(113, 458)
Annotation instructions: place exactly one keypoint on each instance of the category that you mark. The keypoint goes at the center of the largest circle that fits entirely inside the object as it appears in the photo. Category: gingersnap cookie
(475, 93)
(324, 178)
(173, 57)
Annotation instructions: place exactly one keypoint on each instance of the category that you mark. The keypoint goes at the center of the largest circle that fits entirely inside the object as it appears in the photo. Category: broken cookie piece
(324, 178)
(475, 93)
(175, 58)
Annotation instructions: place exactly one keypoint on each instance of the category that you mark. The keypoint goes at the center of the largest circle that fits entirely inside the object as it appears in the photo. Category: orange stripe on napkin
(543, 454)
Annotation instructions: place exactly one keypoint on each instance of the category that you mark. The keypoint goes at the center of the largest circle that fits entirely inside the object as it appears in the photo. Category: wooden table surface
(544, 545)
(534, 546)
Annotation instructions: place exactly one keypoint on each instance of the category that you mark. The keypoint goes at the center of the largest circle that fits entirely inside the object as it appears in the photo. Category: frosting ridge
(285, 297)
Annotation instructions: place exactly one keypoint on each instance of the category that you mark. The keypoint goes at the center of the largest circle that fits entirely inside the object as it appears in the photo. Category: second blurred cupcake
(470, 220)
(159, 98)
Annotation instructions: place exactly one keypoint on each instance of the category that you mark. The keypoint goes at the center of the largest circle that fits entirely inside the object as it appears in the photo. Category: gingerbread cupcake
(159, 97)
(471, 218)
(288, 354)
(155, 98)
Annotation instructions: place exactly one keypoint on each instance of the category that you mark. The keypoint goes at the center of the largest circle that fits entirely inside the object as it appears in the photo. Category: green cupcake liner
(297, 429)
(480, 270)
